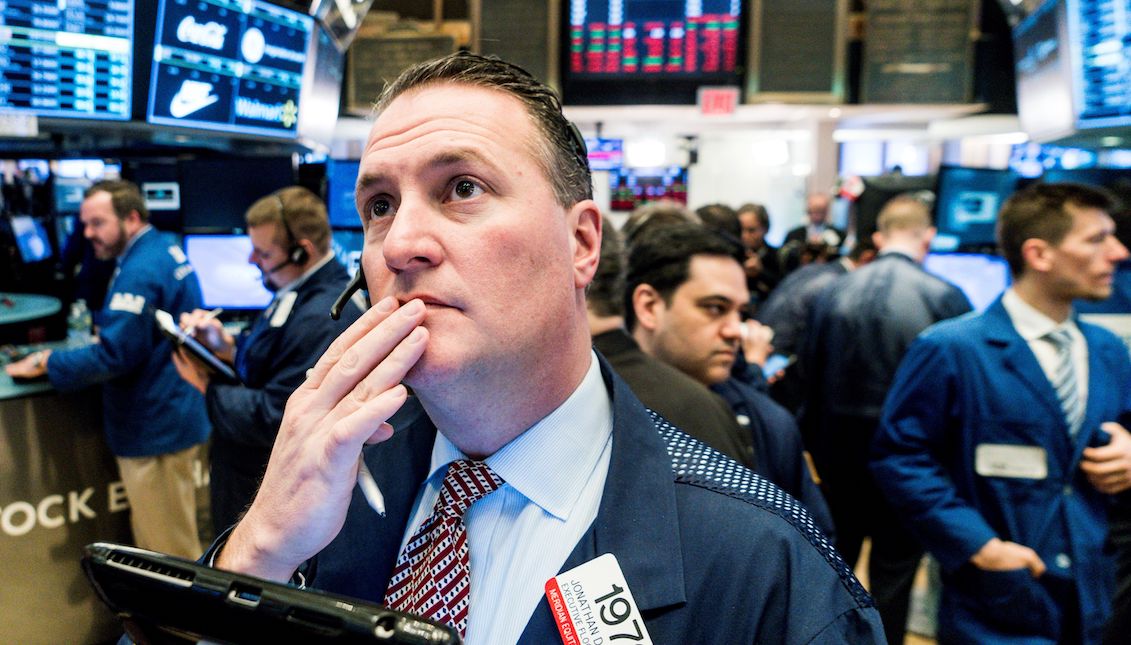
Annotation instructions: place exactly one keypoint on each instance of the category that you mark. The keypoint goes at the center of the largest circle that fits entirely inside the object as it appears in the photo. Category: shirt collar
(305, 276)
(1029, 322)
(550, 462)
(133, 240)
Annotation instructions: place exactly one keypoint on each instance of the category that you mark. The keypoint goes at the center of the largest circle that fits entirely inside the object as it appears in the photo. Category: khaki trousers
(162, 494)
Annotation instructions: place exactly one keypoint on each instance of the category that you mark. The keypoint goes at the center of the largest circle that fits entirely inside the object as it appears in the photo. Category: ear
(878, 239)
(648, 306)
(1037, 254)
(586, 219)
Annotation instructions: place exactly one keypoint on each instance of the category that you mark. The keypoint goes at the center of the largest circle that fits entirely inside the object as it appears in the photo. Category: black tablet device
(180, 337)
(163, 600)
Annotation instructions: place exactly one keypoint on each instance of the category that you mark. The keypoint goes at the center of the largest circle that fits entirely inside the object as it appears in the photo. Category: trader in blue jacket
(290, 236)
(528, 494)
(154, 421)
(999, 445)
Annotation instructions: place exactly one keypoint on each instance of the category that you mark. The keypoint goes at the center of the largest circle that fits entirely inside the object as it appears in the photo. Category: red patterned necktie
(432, 576)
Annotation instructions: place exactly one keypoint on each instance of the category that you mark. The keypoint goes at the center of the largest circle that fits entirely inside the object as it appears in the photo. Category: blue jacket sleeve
(909, 449)
(127, 337)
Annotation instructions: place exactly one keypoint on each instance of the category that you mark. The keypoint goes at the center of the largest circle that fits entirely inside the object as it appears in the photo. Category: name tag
(592, 605)
(283, 309)
(1005, 460)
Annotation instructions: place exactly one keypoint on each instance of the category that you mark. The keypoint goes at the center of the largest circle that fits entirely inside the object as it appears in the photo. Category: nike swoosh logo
(184, 104)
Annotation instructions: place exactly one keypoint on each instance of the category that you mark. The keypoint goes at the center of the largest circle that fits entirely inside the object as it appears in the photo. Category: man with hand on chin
(521, 456)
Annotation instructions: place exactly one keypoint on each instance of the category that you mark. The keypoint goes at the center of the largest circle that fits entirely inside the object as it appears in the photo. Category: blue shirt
(554, 474)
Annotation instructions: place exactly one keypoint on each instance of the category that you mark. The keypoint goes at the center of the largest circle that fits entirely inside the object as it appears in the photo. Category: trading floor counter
(59, 491)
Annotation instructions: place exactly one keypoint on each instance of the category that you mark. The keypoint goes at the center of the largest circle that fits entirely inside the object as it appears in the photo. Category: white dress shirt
(520, 535)
(1033, 326)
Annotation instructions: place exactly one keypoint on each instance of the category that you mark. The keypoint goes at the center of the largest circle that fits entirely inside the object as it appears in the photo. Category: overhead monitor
(649, 51)
(968, 201)
(341, 179)
(230, 66)
(1043, 62)
(68, 60)
(321, 92)
(981, 277)
(226, 278)
(605, 154)
(1103, 78)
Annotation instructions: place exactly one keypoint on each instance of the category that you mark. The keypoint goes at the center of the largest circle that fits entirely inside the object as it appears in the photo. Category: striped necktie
(432, 574)
(1064, 380)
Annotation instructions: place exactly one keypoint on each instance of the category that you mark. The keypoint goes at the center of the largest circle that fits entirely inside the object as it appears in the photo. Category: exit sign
(718, 100)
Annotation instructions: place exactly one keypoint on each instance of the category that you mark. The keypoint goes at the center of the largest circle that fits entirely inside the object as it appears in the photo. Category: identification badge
(592, 605)
(1005, 460)
(283, 311)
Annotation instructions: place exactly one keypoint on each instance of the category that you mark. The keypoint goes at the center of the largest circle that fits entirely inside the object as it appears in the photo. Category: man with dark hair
(679, 398)
(721, 218)
(520, 456)
(999, 445)
(861, 327)
(154, 421)
(684, 295)
(762, 263)
(290, 240)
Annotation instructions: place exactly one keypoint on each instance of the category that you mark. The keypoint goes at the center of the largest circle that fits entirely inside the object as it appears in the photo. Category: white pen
(369, 487)
(212, 314)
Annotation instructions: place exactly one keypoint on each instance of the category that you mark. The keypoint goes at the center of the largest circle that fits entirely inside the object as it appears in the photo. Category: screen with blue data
(968, 201)
(226, 277)
(981, 277)
(67, 59)
(341, 178)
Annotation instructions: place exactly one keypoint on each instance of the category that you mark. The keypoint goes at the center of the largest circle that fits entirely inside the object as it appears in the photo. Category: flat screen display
(233, 66)
(605, 154)
(650, 51)
(67, 59)
(341, 179)
(31, 239)
(968, 201)
(347, 246)
(981, 277)
(226, 278)
(1104, 73)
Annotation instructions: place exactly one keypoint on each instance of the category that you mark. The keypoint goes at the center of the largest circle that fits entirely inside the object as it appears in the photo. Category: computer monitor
(347, 247)
(31, 239)
(341, 178)
(968, 201)
(981, 277)
(226, 277)
(605, 154)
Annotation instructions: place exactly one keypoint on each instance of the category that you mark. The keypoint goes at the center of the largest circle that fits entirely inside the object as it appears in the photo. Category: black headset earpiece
(295, 254)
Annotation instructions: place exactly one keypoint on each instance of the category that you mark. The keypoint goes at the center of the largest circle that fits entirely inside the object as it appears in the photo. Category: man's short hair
(605, 295)
(656, 215)
(297, 213)
(1040, 212)
(722, 218)
(759, 211)
(903, 213)
(662, 259)
(124, 196)
(560, 151)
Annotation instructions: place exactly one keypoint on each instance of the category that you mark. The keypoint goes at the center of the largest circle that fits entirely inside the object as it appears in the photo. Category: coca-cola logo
(209, 34)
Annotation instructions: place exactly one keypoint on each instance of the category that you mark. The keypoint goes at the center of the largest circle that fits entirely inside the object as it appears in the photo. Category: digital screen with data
(1104, 81)
(66, 58)
(628, 38)
(229, 65)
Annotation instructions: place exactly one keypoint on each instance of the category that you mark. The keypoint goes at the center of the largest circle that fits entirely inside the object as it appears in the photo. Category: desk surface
(21, 307)
(9, 389)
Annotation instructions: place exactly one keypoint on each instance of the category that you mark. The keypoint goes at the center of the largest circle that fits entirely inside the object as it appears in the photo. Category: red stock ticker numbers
(650, 37)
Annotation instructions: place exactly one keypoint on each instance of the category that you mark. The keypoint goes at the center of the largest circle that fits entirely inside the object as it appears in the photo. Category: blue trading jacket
(973, 381)
(147, 408)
